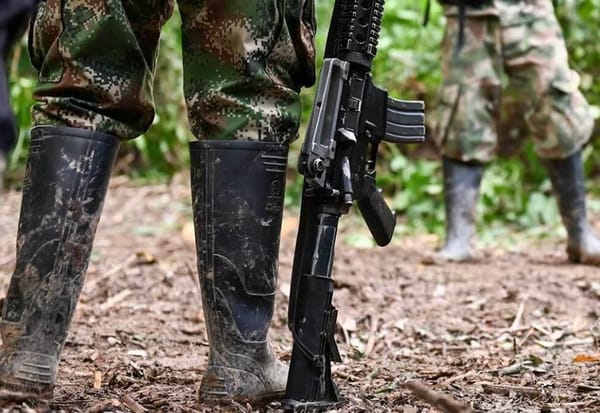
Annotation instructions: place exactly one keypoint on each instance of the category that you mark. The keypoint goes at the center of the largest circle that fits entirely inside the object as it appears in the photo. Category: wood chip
(97, 380)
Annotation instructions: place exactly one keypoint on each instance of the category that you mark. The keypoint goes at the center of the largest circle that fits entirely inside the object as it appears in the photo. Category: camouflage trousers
(520, 41)
(244, 64)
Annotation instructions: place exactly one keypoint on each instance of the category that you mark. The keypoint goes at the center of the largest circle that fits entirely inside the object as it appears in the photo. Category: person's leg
(465, 128)
(568, 182)
(8, 131)
(13, 21)
(462, 181)
(557, 114)
(238, 191)
(93, 91)
(67, 176)
(244, 65)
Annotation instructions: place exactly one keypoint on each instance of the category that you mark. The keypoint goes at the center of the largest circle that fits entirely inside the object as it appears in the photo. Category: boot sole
(213, 389)
(436, 259)
(227, 399)
(577, 258)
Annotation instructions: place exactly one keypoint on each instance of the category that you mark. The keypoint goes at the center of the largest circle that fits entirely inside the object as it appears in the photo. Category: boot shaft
(462, 182)
(568, 182)
(65, 183)
(238, 192)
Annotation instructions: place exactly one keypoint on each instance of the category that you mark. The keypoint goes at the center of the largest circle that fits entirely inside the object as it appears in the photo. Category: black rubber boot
(461, 193)
(66, 180)
(568, 182)
(237, 192)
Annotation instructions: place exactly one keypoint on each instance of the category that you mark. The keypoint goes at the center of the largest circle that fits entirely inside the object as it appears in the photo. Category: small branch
(436, 399)
(505, 390)
(586, 388)
(132, 405)
(458, 377)
(115, 299)
(519, 316)
(372, 335)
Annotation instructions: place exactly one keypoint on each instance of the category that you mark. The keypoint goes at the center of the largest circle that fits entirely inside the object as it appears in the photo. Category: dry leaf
(587, 358)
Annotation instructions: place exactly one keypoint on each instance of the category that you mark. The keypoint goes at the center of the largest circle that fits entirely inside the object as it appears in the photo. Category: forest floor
(517, 332)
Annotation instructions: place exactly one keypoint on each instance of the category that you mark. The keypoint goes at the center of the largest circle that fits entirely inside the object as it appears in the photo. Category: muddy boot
(65, 183)
(567, 180)
(237, 192)
(461, 193)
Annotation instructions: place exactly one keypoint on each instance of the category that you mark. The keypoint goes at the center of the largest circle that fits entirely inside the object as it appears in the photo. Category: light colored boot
(461, 193)
(566, 175)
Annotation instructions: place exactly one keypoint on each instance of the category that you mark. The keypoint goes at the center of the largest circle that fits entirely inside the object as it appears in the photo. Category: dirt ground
(516, 333)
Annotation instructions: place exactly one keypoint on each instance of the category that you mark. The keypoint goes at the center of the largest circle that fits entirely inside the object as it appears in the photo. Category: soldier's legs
(95, 62)
(465, 128)
(558, 115)
(244, 65)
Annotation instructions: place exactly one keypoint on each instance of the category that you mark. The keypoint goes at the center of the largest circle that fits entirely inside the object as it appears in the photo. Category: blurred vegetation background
(516, 191)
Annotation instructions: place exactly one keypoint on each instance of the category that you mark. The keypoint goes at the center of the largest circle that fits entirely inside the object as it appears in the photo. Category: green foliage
(515, 192)
(163, 148)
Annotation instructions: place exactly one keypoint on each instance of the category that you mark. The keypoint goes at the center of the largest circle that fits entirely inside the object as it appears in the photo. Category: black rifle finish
(350, 117)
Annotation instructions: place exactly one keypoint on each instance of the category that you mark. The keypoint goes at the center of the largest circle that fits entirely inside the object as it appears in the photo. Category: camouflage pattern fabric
(244, 64)
(521, 41)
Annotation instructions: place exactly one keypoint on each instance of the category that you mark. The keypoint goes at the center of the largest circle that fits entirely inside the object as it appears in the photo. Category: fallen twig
(524, 339)
(505, 390)
(115, 299)
(436, 399)
(105, 405)
(372, 335)
(517, 322)
(132, 405)
(586, 388)
(458, 377)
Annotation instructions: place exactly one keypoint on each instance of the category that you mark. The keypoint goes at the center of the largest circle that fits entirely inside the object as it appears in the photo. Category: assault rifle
(350, 117)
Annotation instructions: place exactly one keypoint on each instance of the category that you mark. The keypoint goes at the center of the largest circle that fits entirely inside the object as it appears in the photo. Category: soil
(516, 332)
